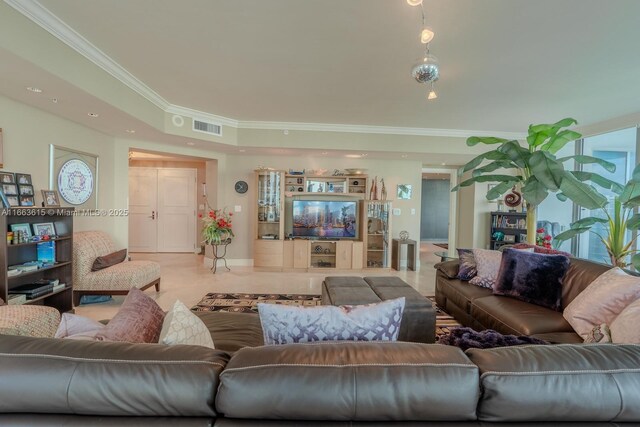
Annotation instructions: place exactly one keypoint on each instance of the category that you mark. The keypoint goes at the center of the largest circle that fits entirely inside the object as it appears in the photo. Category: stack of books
(34, 290)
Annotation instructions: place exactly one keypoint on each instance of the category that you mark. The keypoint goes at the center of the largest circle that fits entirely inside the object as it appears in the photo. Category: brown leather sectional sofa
(479, 309)
(48, 382)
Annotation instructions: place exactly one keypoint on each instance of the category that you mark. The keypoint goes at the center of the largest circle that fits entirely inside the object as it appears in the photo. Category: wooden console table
(396, 244)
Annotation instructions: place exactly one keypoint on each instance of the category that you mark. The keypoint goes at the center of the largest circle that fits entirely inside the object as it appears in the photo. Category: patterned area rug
(248, 303)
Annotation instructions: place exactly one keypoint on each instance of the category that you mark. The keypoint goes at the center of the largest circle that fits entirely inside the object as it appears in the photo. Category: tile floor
(185, 277)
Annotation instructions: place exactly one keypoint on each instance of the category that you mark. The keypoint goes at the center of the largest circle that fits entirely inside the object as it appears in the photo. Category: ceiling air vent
(205, 127)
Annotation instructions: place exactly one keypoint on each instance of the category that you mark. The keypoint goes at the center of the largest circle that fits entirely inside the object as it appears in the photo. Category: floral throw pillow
(599, 334)
(488, 266)
(467, 269)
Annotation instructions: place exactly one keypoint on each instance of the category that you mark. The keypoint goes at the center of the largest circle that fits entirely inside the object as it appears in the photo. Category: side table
(396, 244)
(220, 252)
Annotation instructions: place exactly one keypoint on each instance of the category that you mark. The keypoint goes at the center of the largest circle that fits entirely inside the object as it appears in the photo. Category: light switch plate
(413, 211)
(237, 208)
(397, 211)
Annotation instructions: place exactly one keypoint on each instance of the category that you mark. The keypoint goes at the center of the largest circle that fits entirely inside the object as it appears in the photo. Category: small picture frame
(13, 201)
(10, 189)
(25, 190)
(404, 191)
(50, 199)
(23, 179)
(508, 238)
(7, 178)
(27, 201)
(523, 238)
(25, 228)
(44, 229)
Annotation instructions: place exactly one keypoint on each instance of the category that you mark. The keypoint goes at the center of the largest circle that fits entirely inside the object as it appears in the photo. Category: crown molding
(59, 29)
(43, 17)
(386, 130)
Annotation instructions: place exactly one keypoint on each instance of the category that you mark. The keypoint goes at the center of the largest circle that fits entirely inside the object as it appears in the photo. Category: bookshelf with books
(507, 228)
(37, 271)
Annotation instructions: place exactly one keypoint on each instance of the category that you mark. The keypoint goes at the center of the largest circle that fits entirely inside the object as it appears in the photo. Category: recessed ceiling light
(54, 100)
(34, 89)
(324, 153)
(93, 114)
(130, 131)
(364, 155)
(353, 156)
(242, 150)
(286, 132)
(444, 164)
(191, 143)
(404, 156)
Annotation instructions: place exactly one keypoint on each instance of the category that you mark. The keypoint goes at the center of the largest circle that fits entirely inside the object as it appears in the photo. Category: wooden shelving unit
(377, 241)
(510, 224)
(345, 185)
(13, 254)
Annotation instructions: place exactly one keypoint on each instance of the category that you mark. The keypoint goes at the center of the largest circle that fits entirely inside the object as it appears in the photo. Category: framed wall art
(404, 191)
(50, 198)
(74, 175)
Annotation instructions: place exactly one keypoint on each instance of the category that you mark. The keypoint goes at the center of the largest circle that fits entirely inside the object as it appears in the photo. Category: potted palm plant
(536, 170)
(618, 218)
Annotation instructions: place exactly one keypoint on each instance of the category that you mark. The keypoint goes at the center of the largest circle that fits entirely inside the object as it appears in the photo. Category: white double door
(162, 210)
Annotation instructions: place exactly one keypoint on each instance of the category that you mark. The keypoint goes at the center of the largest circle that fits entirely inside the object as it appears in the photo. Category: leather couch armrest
(449, 268)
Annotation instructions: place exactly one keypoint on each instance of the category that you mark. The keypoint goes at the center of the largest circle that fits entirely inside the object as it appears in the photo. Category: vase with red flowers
(217, 227)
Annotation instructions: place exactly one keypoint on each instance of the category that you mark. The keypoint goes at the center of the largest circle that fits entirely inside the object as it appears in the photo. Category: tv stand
(316, 254)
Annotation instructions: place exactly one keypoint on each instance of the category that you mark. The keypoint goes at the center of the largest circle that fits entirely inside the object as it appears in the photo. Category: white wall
(28, 132)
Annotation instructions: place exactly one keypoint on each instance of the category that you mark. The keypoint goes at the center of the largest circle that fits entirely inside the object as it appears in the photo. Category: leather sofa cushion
(511, 316)
(350, 381)
(349, 295)
(560, 337)
(46, 375)
(462, 293)
(449, 268)
(559, 383)
(232, 331)
(345, 282)
(48, 420)
(580, 275)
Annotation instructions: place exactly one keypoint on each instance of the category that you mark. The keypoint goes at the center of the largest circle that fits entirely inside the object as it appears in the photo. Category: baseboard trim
(237, 262)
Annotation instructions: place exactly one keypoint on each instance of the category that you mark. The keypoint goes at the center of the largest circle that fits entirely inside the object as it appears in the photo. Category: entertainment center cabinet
(276, 246)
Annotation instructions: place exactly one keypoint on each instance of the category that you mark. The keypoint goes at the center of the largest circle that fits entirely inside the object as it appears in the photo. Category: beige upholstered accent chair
(28, 320)
(115, 280)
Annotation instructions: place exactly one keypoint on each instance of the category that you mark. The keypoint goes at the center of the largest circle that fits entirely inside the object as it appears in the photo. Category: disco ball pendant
(427, 70)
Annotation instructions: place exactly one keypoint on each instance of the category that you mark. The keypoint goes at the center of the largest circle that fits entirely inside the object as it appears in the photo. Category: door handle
(153, 215)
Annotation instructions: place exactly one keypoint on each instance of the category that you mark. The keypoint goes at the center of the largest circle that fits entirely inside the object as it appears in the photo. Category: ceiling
(504, 63)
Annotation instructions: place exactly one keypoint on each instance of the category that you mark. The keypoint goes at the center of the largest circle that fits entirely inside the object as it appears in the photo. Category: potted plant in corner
(537, 171)
(617, 223)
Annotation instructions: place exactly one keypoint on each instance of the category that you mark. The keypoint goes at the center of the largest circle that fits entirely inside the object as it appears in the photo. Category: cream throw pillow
(626, 328)
(602, 301)
(181, 326)
(488, 266)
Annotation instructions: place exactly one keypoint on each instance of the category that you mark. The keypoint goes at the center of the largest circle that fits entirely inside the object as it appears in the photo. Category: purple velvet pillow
(531, 277)
(467, 269)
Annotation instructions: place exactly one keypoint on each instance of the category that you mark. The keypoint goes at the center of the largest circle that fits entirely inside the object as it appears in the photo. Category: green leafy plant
(217, 226)
(537, 170)
(616, 224)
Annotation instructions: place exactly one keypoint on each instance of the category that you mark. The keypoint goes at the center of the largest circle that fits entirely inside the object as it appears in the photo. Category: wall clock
(241, 187)
(75, 182)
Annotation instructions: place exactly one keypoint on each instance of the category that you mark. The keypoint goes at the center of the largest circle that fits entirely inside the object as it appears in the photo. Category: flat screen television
(325, 219)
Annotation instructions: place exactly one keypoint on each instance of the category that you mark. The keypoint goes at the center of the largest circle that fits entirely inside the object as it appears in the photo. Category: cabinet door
(268, 253)
(357, 255)
(300, 254)
(344, 254)
(287, 254)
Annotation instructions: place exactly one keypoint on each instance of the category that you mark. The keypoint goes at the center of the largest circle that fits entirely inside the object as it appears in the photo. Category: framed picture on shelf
(25, 228)
(23, 179)
(508, 238)
(44, 229)
(27, 201)
(13, 201)
(25, 190)
(50, 199)
(10, 189)
(7, 178)
(523, 238)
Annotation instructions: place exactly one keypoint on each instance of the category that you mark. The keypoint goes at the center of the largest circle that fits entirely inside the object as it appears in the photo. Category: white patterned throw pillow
(372, 322)
(488, 266)
(181, 326)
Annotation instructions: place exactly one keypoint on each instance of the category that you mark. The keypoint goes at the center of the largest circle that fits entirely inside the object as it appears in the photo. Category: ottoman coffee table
(419, 318)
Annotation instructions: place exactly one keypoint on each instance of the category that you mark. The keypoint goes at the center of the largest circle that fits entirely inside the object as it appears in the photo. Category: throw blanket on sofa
(466, 338)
